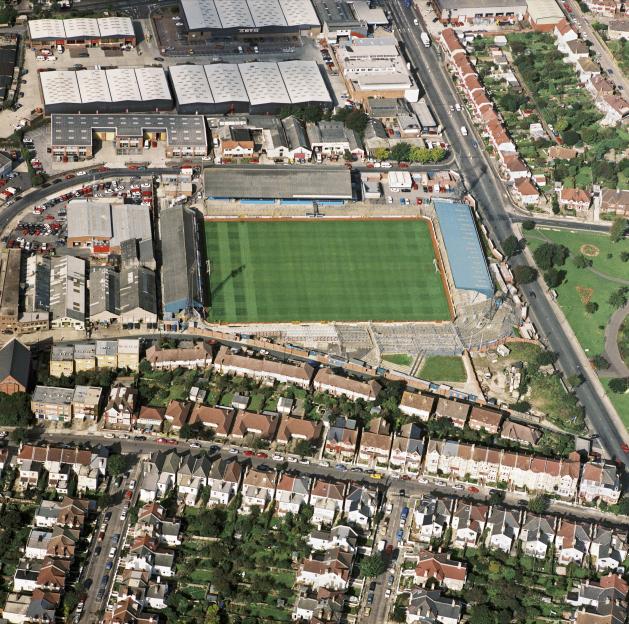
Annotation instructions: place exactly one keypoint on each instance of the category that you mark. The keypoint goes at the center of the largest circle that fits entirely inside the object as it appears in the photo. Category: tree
(70, 602)
(581, 261)
(539, 504)
(381, 153)
(400, 152)
(545, 358)
(510, 246)
(213, 615)
(591, 307)
(619, 385)
(399, 613)
(481, 614)
(618, 229)
(117, 464)
(548, 255)
(524, 274)
(600, 362)
(15, 410)
(554, 278)
(496, 497)
(373, 566)
(618, 298)
(303, 447)
(528, 224)
(185, 432)
(570, 137)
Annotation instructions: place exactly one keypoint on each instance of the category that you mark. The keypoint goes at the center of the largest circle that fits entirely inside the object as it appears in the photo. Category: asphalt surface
(493, 200)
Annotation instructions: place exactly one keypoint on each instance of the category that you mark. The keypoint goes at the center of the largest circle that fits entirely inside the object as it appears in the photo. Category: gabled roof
(15, 362)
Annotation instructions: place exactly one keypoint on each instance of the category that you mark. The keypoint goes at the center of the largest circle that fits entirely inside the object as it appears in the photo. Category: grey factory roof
(243, 182)
(225, 14)
(53, 395)
(463, 247)
(67, 288)
(258, 83)
(181, 130)
(138, 290)
(334, 12)
(181, 270)
(130, 221)
(104, 291)
(81, 28)
(146, 84)
(89, 219)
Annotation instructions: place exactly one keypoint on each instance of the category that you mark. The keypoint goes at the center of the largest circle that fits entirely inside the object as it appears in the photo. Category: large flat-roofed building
(464, 251)
(120, 90)
(67, 292)
(476, 11)
(182, 267)
(72, 136)
(8, 56)
(83, 31)
(247, 18)
(374, 68)
(255, 87)
(338, 20)
(103, 227)
(287, 184)
(544, 15)
(10, 262)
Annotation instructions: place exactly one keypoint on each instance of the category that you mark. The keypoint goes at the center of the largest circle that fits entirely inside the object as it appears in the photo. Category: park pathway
(617, 368)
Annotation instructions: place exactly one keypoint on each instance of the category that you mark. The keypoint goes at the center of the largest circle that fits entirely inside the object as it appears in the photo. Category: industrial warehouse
(143, 89)
(234, 17)
(103, 31)
(72, 136)
(247, 87)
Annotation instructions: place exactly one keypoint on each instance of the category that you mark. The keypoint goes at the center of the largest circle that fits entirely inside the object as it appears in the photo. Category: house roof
(440, 567)
(575, 195)
(201, 350)
(484, 416)
(291, 427)
(447, 408)
(417, 401)
(247, 422)
(75, 456)
(178, 412)
(155, 414)
(259, 479)
(326, 377)
(520, 433)
(15, 362)
(220, 420)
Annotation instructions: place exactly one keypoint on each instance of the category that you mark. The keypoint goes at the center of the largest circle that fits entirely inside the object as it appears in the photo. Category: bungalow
(266, 370)
(483, 418)
(525, 435)
(503, 527)
(417, 405)
(257, 425)
(217, 419)
(375, 443)
(293, 429)
(407, 449)
(193, 357)
(438, 566)
(455, 411)
(177, 414)
(432, 606)
(537, 535)
(600, 481)
(526, 192)
(330, 569)
(432, 517)
(326, 498)
(224, 481)
(291, 493)
(341, 439)
(572, 542)
(327, 381)
(258, 489)
(151, 418)
(468, 524)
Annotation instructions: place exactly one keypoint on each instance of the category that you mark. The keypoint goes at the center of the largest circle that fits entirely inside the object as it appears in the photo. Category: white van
(463, 130)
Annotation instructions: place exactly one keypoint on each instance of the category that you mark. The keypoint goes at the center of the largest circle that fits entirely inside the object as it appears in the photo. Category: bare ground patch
(590, 250)
(585, 294)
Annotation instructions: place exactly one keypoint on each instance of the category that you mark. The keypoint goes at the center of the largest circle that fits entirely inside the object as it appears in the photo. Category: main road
(483, 183)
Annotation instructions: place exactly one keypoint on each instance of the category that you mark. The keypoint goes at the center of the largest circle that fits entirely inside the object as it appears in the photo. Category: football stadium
(309, 270)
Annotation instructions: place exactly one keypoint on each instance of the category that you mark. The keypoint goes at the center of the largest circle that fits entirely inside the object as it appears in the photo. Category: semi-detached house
(194, 357)
(327, 381)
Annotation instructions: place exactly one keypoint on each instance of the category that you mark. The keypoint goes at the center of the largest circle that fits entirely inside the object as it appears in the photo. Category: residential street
(492, 199)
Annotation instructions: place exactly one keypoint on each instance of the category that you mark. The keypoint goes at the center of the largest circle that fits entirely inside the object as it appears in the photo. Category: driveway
(617, 368)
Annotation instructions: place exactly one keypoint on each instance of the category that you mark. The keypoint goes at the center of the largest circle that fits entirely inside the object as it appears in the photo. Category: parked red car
(262, 455)
(473, 489)
(248, 453)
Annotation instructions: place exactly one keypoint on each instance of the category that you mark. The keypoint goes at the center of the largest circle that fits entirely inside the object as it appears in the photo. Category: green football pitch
(273, 271)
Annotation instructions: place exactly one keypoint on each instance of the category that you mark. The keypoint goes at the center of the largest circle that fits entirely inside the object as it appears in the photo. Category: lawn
(401, 359)
(620, 401)
(582, 285)
(323, 271)
(443, 368)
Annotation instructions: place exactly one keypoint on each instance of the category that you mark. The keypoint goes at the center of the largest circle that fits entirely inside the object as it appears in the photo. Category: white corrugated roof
(234, 14)
(46, 29)
(190, 84)
(201, 13)
(152, 83)
(304, 82)
(59, 87)
(299, 12)
(266, 13)
(93, 86)
(226, 83)
(115, 27)
(123, 85)
(264, 83)
(81, 27)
